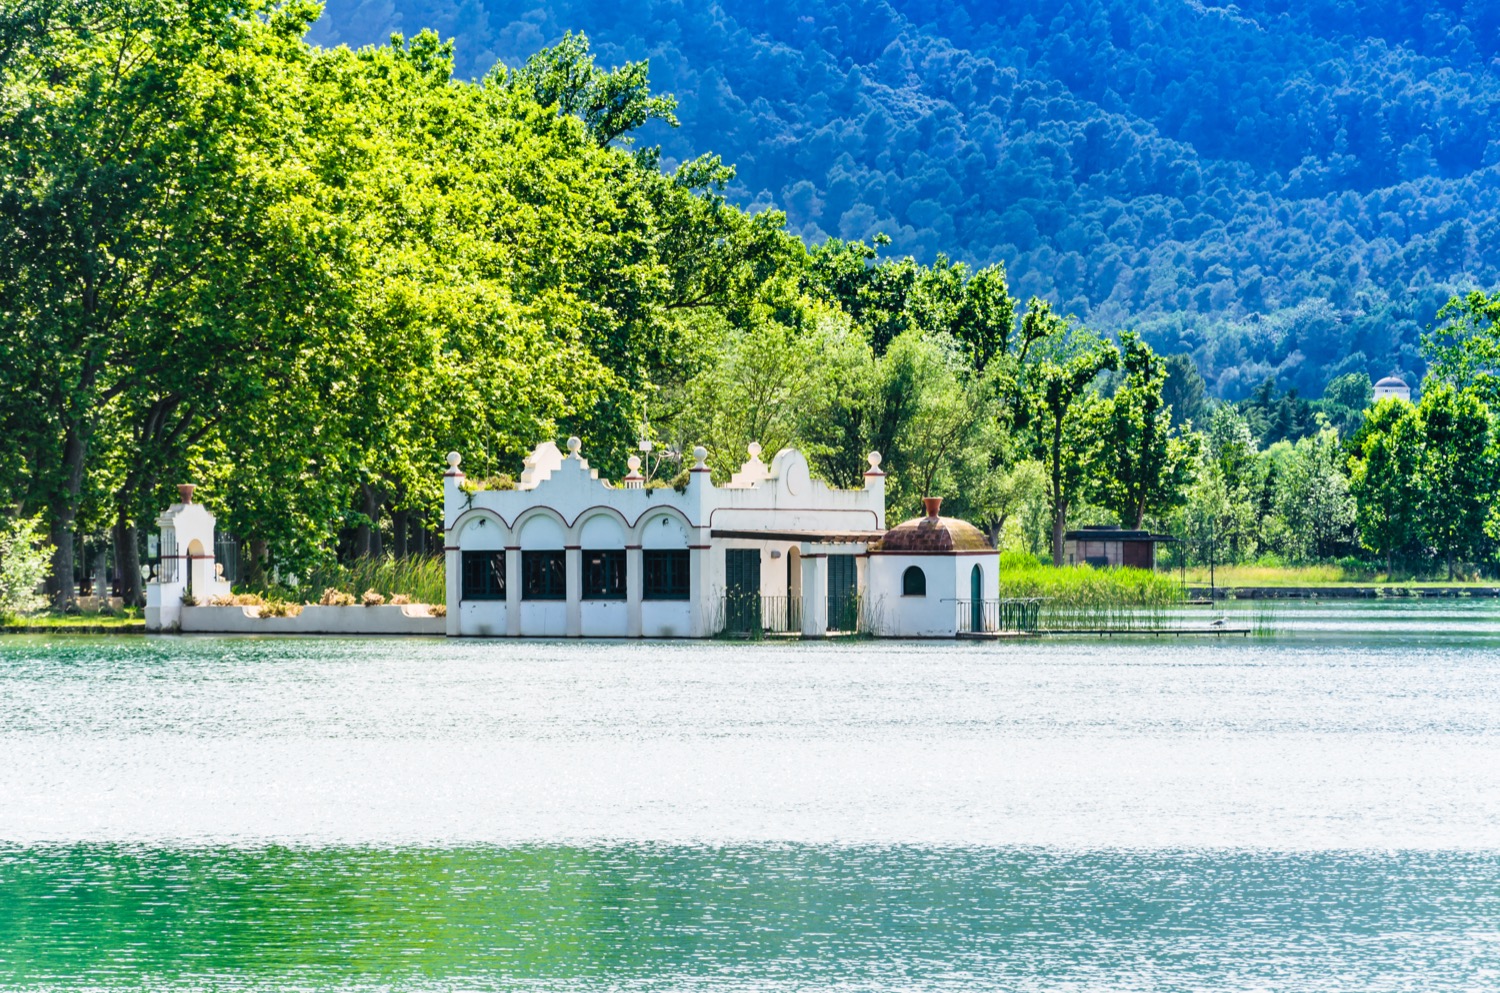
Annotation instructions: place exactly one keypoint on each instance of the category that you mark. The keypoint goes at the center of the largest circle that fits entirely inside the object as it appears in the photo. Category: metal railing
(844, 614)
(994, 616)
(755, 615)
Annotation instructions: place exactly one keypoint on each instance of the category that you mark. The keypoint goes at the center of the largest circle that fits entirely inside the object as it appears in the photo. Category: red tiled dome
(934, 534)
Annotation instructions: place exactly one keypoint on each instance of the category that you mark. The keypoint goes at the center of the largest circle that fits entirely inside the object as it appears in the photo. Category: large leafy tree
(1147, 466)
(1066, 412)
(155, 220)
(1457, 478)
(1387, 456)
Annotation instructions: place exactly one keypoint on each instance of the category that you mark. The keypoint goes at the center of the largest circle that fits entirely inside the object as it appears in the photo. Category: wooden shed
(1106, 545)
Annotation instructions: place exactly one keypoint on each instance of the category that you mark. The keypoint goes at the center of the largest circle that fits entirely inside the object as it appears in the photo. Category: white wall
(894, 615)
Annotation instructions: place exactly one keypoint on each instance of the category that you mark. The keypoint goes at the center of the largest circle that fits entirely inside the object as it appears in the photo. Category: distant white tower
(1392, 386)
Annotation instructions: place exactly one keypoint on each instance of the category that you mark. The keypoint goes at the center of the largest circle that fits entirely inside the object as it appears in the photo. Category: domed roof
(1392, 381)
(933, 534)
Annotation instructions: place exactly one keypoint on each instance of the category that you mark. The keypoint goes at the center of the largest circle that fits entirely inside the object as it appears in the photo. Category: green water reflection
(768, 916)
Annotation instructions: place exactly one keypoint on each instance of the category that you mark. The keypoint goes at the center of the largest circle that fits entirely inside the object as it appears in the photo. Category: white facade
(187, 564)
(537, 560)
(944, 608)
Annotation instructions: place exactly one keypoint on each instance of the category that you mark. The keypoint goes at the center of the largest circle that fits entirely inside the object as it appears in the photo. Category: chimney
(931, 506)
(185, 491)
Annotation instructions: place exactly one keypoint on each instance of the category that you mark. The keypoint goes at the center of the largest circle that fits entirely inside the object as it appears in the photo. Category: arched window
(913, 582)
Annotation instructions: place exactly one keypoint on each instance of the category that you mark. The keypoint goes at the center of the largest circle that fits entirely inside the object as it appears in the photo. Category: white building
(186, 567)
(566, 554)
(1392, 386)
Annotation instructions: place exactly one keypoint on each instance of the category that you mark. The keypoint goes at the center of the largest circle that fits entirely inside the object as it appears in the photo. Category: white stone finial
(574, 444)
(700, 457)
(454, 459)
(754, 449)
(874, 459)
(634, 462)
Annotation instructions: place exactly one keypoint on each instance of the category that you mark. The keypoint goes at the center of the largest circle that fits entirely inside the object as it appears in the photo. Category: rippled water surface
(1317, 810)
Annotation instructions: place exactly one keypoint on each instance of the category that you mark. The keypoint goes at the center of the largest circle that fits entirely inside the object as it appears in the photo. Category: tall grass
(420, 577)
(1083, 597)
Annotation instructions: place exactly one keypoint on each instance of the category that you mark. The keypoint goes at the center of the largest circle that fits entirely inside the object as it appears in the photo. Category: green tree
(1067, 414)
(1383, 479)
(1457, 478)
(1464, 349)
(1147, 468)
(610, 103)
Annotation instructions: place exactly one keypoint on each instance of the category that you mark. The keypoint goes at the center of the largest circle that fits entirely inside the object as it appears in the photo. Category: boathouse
(563, 553)
(1106, 545)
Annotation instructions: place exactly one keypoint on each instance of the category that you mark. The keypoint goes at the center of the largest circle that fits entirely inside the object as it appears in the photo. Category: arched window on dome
(914, 581)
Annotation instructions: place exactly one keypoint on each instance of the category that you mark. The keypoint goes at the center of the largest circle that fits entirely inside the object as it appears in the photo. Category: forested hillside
(1281, 189)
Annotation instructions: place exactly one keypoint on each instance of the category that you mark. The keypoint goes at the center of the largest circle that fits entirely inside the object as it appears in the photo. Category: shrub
(400, 600)
(188, 600)
(335, 597)
(280, 608)
(440, 610)
(372, 599)
(24, 561)
(499, 481)
(238, 600)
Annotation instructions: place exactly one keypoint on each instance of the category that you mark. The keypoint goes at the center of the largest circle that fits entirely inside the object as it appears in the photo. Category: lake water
(1316, 810)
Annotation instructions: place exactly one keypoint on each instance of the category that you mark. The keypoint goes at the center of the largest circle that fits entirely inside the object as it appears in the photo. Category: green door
(843, 593)
(742, 589)
(976, 599)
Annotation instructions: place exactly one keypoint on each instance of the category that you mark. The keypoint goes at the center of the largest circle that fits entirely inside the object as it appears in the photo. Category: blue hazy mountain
(1282, 189)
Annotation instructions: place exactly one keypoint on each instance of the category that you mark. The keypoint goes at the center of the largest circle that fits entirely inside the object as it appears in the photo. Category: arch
(914, 581)
(665, 528)
(602, 528)
(794, 572)
(541, 528)
(490, 535)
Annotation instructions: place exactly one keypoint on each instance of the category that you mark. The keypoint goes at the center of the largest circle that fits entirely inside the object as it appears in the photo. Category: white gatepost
(814, 594)
(186, 566)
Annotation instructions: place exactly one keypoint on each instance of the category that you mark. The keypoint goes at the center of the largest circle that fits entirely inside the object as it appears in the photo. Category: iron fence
(992, 616)
(844, 614)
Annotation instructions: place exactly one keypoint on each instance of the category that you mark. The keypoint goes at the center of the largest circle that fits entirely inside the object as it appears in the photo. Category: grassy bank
(1330, 574)
(128, 621)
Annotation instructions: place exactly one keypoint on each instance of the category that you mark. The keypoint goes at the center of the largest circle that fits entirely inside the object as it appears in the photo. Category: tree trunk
(128, 562)
(1450, 566)
(400, 526)
(62, 585)
(100, 572)
(1059, 528)
(367, 536)
(256, 574)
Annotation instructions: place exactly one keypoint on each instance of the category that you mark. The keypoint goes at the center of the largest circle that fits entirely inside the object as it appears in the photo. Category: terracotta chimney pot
(931, 506)
(185, 491)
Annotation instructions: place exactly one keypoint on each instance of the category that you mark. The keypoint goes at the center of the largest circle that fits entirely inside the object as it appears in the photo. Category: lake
(1318, 809)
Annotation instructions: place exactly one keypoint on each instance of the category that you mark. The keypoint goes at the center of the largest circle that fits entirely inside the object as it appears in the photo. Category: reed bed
(419, 577)
(1084, 598)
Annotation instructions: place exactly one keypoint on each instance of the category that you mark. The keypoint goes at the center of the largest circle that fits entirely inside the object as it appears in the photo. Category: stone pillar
(635, 584)
(573, 565)
(704, 608)
(814, 596)
(453, 579)
(513, 591)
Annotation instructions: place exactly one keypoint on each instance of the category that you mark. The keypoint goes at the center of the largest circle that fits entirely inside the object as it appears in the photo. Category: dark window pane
(604, 575)
(544, 576)
(483, 576)
(914, 582)
(668, 574)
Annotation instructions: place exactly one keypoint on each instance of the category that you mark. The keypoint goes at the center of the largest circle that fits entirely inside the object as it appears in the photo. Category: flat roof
(1114, 534)
(783, 534)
